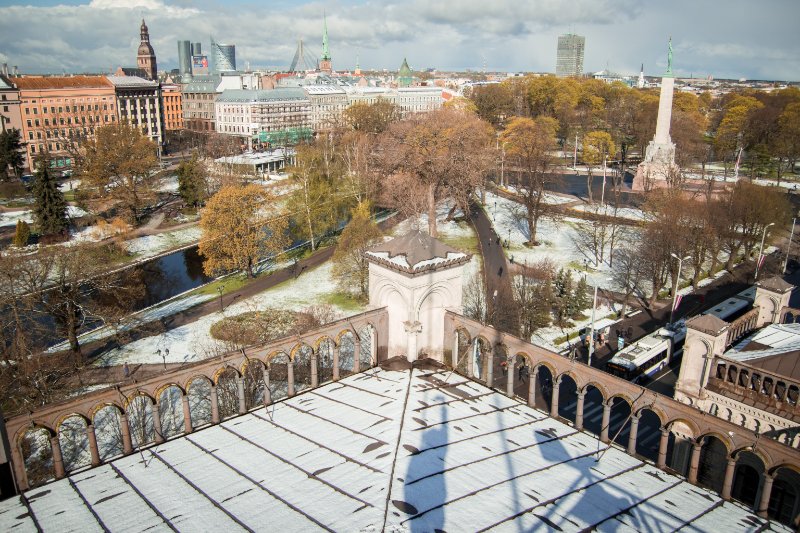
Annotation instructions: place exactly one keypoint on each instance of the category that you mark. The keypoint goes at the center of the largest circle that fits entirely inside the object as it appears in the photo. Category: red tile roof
(61, 82)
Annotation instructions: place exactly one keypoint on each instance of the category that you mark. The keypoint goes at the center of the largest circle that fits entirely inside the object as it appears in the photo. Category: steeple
(146, 56)
(326, 54)
(405, 76)
(325, 60)
(357, 71)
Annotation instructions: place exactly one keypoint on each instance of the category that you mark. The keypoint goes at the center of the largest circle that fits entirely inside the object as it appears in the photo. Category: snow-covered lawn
(169, 184)
(629, 213)
(152, 245)
(549, 197)
(69, 185)
(546, 337)
(193, 342)
(557, 241)
(10, 218)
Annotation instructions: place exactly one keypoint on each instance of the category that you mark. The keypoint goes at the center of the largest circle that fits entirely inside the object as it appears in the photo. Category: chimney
(5, 69)
(16, 71)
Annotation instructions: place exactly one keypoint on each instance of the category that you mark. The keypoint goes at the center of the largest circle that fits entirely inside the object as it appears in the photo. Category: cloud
(745, 40)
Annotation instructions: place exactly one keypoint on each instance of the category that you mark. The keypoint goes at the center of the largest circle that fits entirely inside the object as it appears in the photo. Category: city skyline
(100, 35)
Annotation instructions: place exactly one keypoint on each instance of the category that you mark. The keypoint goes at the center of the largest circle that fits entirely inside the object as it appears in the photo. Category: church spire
(326, 55)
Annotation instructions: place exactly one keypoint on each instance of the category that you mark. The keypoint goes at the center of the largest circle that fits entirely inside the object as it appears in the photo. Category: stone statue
(669, 58)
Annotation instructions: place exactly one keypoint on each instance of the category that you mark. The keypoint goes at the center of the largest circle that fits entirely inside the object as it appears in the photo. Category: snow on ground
(545, 337)
(10, 218)
(156, 312)
(628, 213)
(69, 185)
(193, 342)
(549, 197)
(556, 241)
(169, 184)
(152, 245)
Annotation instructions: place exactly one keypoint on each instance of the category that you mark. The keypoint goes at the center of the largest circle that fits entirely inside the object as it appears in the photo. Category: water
(576, 185)
(170, 275)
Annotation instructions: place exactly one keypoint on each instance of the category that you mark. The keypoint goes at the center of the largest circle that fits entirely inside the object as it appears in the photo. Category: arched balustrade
(102, 425)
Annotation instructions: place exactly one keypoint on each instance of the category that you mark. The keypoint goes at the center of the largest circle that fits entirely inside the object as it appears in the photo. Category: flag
(761, 260)
(677, 301)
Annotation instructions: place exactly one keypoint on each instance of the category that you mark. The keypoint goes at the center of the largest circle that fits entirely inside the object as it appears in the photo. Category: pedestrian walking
(126, 371)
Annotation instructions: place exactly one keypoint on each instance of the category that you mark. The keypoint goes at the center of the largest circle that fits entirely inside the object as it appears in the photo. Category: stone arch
(430, 309)
(346, 342)
(622, 396)
(302, 356)
(714, 453)
(199, 390)
(139, 408)
(107, 421)
(771, 305)
(681, 425)
(324, 350)
(368, 346)
(521, 378)
(33, 443)
(542, 380)
(597, 385)
(227, 385)
(567, 396)
(593, 402)
(252, 371)
(74, 441)
(278, 371)
(462, 342)
(748, 476)
(648, 435)
(500, 365)
(480, 358)
(619, 424)
(784, 502)
(170, 409)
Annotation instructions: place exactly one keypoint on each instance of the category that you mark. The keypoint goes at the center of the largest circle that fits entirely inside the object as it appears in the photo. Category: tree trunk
(250, 273)
(589, 184)
(533, 222)
(432, 230)
(72, 333)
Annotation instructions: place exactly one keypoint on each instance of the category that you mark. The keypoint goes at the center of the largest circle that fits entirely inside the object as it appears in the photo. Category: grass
(69, 196)
(228, 284)
(468, 244)
(344, 301)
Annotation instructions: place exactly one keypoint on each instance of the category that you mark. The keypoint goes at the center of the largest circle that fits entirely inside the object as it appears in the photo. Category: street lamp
(761, 249)
(677, 284)
(164, 357)
(220, 290)
(591, 332)
(786, 261)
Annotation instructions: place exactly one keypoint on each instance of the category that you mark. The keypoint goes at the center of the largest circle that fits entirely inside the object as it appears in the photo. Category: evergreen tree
(192, 181)
(49, 208)
(10, 154)
(581, 295)
(22, 234)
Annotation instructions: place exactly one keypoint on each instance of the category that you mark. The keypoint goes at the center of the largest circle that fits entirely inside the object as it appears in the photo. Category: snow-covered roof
(772, 348)
(416, 252)
(385, 450)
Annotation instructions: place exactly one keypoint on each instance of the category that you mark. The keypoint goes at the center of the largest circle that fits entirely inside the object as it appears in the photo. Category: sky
(723, 39)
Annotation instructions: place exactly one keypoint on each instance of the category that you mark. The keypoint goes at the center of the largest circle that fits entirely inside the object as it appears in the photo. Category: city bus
(648, 355)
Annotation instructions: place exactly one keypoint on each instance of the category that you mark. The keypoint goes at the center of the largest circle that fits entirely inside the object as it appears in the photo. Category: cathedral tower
(146, 57)
(325, 60)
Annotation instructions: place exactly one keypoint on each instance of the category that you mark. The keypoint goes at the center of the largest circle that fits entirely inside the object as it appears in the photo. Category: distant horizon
(755, 42)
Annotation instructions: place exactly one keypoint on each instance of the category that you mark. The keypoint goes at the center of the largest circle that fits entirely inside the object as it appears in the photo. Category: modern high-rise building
(223, 56)
(184, 57)
(197, 49)
(569, 58)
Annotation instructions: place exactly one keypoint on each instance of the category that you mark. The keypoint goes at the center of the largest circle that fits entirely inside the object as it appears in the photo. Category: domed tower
(146, 57)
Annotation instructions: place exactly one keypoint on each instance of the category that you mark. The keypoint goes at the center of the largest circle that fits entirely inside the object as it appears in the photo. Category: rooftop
(421, 450)
(416, 252)
(60, 82)
(248, 95)
(774, 348)
(709, 324)
(131, 81)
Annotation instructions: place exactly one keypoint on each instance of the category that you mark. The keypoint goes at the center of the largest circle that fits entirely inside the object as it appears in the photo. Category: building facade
(10, 117)
(139, 104)
(569, 56)
(172, 107)
(263, 115)
(197, 100)
(146, 57)
(60, 111)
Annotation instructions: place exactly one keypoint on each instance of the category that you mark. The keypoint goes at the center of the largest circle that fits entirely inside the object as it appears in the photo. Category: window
(27, 110)
(33, 148)
(5, 108)
(30, 124)
(35, 111)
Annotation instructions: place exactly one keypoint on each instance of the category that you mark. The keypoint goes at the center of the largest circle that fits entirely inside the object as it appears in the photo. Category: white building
(139, 104)
(249, 114)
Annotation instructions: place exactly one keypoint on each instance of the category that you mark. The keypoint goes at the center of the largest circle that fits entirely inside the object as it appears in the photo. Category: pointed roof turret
(326, 54)
(404, 75)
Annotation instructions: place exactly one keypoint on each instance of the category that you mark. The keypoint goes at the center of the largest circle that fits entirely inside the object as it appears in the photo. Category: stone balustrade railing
(98, 426)
(774, 392)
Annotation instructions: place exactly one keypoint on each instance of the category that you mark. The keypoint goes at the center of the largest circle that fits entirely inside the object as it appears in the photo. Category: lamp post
(591, 332)
(164, 357)
(677, 284)
(761, 249)
(789, 247)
